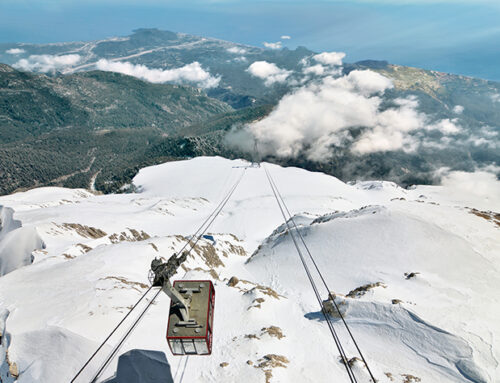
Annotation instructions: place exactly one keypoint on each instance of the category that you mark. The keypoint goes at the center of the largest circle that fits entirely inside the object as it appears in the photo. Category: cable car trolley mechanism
(190, 319)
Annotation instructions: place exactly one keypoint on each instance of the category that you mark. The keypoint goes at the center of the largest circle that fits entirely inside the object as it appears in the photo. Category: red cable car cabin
(195, 337)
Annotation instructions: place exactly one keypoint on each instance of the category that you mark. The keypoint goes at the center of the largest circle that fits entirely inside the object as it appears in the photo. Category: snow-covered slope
(427, 265)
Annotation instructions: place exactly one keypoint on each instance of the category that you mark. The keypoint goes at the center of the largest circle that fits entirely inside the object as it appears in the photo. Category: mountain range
(79, 123)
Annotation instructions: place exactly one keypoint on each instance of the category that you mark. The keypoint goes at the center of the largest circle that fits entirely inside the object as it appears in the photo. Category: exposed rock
(235, 249)
(389, 375)
(233, 281)
(487, 215)
(134, 236)
(257, 303)
(396, 301)
(269, 291)
(411, 275)
(362, 290)
(341, 305)
(263, 289)
(84, 231)
(351, 362)
(410, 378)
(13, 370)
(273, 360)
(370, 209)
(139, 236)
(249, 362)
(209, 255)
(224, 364)
(84, 247)
(273, 331)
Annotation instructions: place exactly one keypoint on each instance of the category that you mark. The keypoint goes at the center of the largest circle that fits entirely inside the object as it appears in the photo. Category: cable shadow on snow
(142, 366)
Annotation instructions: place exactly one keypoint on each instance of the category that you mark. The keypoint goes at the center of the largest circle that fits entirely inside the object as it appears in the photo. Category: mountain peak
(152, 35)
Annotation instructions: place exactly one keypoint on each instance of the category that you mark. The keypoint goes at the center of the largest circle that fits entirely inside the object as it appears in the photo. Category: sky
(456, 36)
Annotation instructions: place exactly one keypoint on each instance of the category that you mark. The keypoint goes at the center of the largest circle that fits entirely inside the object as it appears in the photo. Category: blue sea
(461, 37)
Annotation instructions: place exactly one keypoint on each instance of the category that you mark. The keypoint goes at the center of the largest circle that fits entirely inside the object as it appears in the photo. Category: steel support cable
(336, 339)
(325, 284)
(110, 335)
(206, 224)
(117, 348)
(216, 212)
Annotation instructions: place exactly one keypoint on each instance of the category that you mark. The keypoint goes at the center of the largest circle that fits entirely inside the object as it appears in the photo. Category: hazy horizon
(451, 36)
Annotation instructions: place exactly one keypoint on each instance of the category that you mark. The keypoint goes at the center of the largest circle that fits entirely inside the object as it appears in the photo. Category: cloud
(330, 58)
(347, 112)
(269, 72)
(482, 185)
(47, 63)
(15, 51)
(316, 116)
(445, 126)
(458, 109)
(276, 45)
(326, 64)
(191, 73)
(237, 50)
(285, 37)
(317, 70)
(485, 137)
(389, 130)
(495, 97)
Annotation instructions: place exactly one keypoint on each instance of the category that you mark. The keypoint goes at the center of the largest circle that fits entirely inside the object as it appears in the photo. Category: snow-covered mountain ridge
(416, 270)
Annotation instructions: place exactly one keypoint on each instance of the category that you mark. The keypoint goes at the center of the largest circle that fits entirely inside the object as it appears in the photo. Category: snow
(96, 259)
(16, 242)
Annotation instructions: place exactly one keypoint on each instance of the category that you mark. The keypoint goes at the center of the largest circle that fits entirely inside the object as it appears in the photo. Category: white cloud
(330, 58)
(15, 51)
(389, 129)
(495, 97)
(445, 126)
(458, 109)
(314, 117)
(366, 82)
(317, 70)
(276, 45)
(321, 114)
(237, 50)
(485, 137)
(482, 186)
(327, 64)
(285, 37)
(47, 63)
(269, 72)
(190, 73)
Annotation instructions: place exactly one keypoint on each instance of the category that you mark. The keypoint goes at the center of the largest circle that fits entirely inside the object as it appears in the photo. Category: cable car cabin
(193, 337)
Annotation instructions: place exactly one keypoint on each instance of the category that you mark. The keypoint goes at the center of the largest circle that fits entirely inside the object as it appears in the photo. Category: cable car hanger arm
(163, 271)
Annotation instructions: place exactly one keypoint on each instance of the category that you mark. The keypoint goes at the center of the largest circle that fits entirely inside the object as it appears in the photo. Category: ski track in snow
(79, 260)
